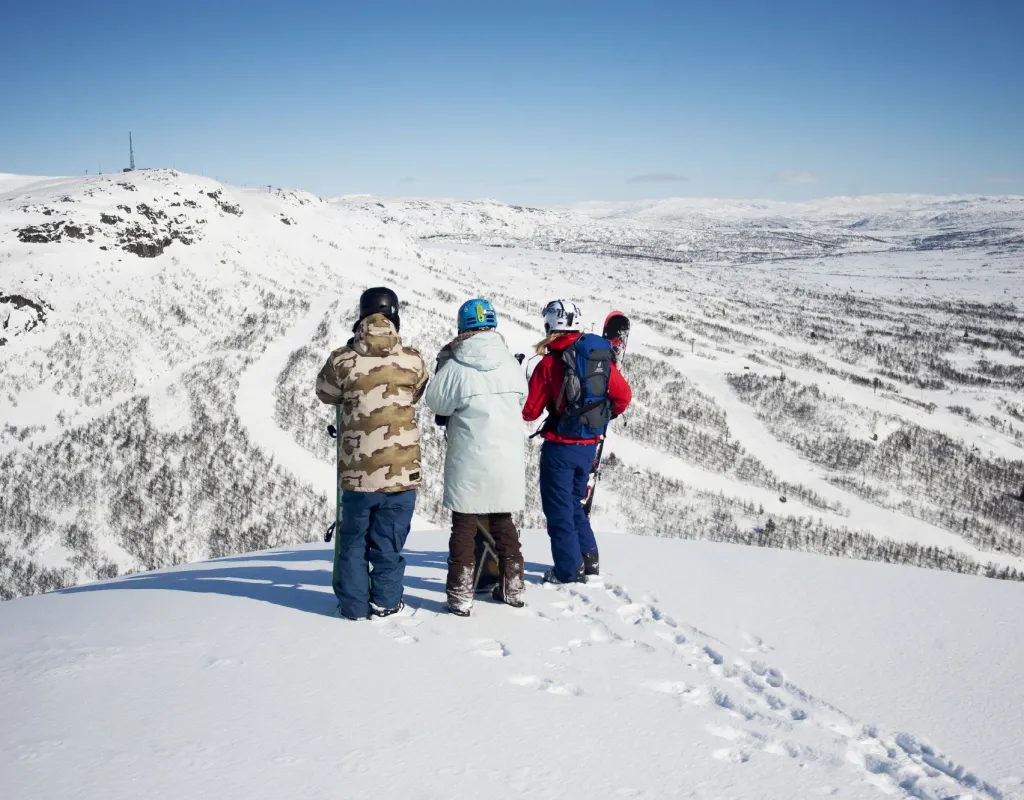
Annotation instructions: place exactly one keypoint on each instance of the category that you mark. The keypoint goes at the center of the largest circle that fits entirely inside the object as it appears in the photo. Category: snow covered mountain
(816, 378)
(692, 670)
(802, 381)
(704, 231)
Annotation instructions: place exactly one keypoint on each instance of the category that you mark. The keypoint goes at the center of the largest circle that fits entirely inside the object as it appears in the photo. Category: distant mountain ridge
(693, 230)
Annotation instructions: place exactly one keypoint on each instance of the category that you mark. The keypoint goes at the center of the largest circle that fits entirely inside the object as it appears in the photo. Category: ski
(616, 331)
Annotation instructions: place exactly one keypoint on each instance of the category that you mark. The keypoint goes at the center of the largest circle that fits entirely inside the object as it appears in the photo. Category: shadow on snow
(261, 577)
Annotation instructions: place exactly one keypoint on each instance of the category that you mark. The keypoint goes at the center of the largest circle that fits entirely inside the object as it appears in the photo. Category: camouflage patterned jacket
(377, 382)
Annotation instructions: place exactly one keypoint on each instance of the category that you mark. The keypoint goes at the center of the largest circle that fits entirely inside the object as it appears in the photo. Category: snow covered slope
(799, 382)
(691, 670)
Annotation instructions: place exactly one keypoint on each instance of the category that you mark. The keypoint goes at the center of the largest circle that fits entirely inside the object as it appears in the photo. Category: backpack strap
(585, 408)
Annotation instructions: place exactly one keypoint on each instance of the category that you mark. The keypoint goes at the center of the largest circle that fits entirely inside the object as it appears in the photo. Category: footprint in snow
(546, 684)
(635, 613)
(898, 764)
(617, 592)
(572, 609)
(755, 644)
(636, 644)
(396, 634)
(602, 634)
(729, 755)
(750, 740)
(679, 689)
(489, 648)
(672, 636)
(773, 677)
(394, 626)
(222, 662)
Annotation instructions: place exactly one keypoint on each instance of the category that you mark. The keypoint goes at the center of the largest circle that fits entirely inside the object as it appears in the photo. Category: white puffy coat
(481, 388)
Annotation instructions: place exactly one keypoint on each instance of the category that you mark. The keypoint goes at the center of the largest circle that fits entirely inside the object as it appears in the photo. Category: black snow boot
(550, 577)
(377, 611)
(459, 589)
(510, 586)
(591, 564)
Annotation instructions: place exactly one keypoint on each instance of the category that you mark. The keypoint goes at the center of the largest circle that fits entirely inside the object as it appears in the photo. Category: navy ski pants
(374, 527)
(564, 469)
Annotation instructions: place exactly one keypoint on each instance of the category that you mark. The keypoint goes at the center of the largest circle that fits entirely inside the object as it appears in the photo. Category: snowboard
(616, 331)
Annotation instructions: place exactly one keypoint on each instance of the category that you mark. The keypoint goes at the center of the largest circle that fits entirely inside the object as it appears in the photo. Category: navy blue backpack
(587, 364)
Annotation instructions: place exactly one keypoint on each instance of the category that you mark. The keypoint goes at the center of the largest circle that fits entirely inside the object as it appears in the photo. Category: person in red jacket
(565, 461)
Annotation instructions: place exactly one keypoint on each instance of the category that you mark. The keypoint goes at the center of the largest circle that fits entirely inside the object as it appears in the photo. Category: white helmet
(562, 315)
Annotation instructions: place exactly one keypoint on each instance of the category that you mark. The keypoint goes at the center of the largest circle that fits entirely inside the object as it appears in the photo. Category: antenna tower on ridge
(131, 154)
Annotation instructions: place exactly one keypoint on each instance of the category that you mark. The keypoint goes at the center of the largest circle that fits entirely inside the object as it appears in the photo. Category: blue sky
(537, 102)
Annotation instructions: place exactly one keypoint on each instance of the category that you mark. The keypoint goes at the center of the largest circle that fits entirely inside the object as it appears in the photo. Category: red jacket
(546, 385)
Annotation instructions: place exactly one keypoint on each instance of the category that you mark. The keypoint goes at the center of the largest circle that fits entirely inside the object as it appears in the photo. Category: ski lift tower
(131, 155)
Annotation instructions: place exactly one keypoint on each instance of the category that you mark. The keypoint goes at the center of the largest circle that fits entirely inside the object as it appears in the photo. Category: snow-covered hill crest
(689, 670)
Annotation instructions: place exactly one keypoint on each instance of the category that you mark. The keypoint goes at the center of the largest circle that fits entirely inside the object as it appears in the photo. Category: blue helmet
(476, 314)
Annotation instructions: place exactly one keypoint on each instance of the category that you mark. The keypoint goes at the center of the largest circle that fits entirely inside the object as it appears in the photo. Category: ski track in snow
(254, 402)
(755, 710)
(256, 399)
(785, 461)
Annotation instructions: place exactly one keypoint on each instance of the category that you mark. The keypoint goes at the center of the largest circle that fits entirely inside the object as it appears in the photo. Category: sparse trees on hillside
(919, 471)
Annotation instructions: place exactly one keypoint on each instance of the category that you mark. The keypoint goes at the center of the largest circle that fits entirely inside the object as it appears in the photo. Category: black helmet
(379, 300)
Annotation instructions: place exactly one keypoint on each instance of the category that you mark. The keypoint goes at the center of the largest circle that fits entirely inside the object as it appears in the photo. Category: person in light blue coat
(478, 393)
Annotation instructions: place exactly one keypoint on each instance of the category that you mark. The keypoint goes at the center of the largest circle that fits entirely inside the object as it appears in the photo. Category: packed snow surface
(689, 670)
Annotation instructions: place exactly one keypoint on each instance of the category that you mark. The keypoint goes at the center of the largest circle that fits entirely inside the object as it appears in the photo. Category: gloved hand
(520, 357)
(440, 421)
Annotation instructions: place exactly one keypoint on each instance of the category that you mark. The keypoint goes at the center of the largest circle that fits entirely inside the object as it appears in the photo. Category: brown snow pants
(461, 543)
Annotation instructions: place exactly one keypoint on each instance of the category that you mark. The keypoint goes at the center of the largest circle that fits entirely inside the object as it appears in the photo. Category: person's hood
(482, 350)
(376, 336)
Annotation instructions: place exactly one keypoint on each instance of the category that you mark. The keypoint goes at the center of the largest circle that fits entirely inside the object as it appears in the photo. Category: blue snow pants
(564, 469)
(374, 527)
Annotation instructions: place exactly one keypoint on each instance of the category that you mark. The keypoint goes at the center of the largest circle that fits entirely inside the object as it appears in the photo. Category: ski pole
(334, 431)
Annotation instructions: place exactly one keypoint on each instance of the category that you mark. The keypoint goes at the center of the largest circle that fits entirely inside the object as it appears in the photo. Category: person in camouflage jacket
(377, 382)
